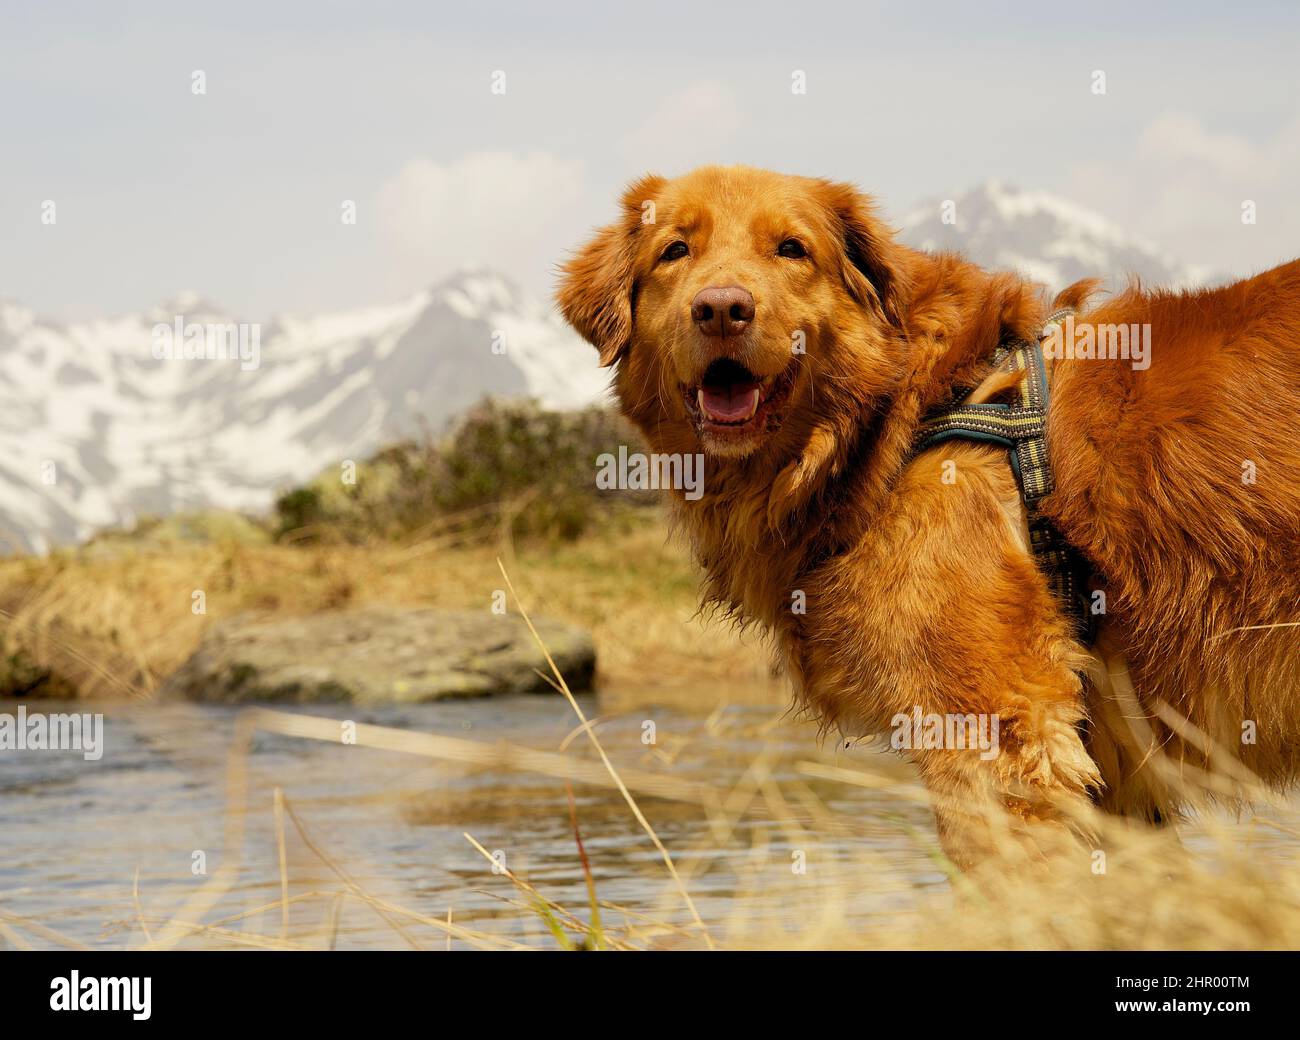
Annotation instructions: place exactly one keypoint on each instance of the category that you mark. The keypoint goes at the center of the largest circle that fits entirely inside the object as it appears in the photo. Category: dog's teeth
(753, 403)
(699, 398)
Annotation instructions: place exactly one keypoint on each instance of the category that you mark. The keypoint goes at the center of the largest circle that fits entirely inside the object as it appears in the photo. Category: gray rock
(379, 655)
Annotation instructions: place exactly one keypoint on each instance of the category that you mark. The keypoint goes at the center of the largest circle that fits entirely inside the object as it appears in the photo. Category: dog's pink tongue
(729, 403)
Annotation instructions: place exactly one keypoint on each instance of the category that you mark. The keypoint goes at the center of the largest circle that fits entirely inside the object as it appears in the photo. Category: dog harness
(1022, 429)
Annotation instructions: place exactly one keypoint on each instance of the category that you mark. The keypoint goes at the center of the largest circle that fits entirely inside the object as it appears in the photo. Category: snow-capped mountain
(1043, 237)
(103, 421)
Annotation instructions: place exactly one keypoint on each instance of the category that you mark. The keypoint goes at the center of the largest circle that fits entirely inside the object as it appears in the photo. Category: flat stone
(379, 655)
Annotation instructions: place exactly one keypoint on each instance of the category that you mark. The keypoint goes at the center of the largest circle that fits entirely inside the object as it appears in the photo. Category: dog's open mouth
(730, 398)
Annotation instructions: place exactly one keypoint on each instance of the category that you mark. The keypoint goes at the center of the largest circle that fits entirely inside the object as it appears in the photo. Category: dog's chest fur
(894, 615)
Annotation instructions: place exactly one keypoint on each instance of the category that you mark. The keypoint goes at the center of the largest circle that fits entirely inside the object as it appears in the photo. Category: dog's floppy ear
(597, 285)
(875, 267)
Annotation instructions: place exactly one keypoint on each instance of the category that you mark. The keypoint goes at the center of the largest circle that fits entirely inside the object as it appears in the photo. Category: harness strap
(1022, 429)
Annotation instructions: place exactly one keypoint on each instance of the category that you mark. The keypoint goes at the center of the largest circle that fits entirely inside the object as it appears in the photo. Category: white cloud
(1183, 186)
(694, 125)
(1177, 139)
(511, 211)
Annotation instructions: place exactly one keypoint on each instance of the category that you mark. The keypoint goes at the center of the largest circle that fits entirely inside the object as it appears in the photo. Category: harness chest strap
(1022, 429)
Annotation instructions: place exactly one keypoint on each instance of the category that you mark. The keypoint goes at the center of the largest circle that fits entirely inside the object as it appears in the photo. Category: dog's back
(1179, 477)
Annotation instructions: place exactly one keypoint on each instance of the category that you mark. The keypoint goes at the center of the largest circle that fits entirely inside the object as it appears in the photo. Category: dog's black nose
(723, 311)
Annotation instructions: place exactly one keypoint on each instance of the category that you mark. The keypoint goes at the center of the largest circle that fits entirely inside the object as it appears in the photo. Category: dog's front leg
(991, 717)
(940, 630)
(1027, 791)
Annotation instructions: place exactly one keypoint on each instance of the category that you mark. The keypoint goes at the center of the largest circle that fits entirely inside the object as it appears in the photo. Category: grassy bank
(421, 523)
(117, 618)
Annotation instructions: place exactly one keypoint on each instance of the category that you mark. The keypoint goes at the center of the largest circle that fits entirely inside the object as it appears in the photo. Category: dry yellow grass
(118, 622)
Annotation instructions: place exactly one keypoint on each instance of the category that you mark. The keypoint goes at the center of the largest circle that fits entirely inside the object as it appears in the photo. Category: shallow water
(75, 832)
(771, 845)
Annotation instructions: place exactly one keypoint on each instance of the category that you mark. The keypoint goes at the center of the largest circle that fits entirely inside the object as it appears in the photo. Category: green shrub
(20, 676)
(503, 462)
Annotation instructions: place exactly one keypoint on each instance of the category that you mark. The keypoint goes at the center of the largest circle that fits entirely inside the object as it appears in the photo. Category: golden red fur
(921, 592)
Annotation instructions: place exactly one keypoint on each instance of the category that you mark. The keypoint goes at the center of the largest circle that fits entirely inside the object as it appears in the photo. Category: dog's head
(736, 301)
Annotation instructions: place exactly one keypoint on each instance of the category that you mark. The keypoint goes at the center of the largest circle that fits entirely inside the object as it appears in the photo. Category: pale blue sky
(238, 193)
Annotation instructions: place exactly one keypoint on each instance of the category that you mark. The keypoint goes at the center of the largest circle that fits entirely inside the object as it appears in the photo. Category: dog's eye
(791, 249)
(675, 251)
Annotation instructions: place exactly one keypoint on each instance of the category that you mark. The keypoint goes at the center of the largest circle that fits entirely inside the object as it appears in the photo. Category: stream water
(74, 833)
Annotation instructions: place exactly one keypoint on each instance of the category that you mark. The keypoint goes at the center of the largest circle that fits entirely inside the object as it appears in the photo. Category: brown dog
(772, 323)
